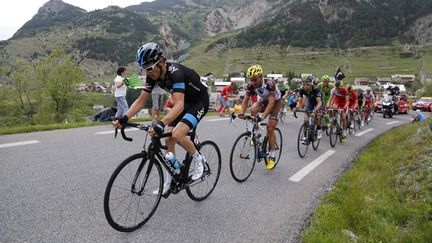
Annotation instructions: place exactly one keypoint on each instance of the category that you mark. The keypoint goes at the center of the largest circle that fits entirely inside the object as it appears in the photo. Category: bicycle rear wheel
(129, 201)
(243, 157)
(203, 187)
(302, 146)
(278, 149)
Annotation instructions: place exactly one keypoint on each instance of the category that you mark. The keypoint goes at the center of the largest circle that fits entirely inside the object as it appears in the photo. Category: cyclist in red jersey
(353, 99)
(339, 99)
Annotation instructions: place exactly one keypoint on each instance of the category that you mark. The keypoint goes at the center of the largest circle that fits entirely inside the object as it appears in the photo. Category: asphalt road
(52, 186)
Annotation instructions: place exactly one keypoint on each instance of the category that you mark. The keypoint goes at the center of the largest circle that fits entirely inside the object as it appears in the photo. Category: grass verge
(38, 128)
(386, 197)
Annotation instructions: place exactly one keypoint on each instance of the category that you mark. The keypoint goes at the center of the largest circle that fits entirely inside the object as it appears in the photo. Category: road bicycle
(135, 188)
(336, 128)
(250, 147)
(282, 114)
(308, 134)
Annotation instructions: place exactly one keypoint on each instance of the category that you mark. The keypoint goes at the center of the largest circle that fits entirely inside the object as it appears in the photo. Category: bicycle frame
(154, 152)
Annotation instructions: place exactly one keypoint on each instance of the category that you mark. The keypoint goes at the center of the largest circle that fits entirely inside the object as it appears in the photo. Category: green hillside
(361, 62)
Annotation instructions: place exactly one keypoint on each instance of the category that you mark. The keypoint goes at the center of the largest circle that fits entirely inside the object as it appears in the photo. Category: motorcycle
(388, 106)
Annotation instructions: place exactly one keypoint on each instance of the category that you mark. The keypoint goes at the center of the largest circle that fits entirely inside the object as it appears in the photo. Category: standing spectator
(225, 93)
(120, 92)
(157, 99)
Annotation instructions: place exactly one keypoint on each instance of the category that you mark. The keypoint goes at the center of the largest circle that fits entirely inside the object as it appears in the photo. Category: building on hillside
(403, 78)
(383, 80)
(274, 75)
(362, 87)
(361, 81)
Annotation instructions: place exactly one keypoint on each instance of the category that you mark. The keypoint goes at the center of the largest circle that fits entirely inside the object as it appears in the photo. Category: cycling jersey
(360, 99)
(312, 96)
(369, 98)
(267, 89)
(339, 96)
(352, 98)
(180, 79)
(326, 91)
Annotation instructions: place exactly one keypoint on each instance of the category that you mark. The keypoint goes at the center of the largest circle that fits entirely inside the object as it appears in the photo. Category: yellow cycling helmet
(254, 71)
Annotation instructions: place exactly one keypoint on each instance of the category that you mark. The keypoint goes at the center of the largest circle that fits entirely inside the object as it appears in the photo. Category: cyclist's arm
(271, 104)
(346, 102)
(244, 104)
(138, 104)
(319, 104)
(330, 101)
(177, 109)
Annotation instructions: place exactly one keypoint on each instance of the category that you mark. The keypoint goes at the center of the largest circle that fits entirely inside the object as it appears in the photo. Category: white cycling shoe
(199, 168)
(165, 189)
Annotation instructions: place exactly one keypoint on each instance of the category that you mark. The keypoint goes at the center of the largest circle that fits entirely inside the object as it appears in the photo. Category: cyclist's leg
(273, 121)
(256, 108)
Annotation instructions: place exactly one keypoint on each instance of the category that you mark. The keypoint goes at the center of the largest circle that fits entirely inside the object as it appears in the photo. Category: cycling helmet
(315, 81)
(148, 53)
(308, 79)
(349, 86)
(325, 78)
(368, 90)
(254, 71)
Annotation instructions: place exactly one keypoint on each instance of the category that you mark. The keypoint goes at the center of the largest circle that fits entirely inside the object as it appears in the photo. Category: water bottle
(172, 159)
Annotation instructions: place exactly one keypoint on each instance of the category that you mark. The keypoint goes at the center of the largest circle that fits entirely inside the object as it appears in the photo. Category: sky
(16, 13)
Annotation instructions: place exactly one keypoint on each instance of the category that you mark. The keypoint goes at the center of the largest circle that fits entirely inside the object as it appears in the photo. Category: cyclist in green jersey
(325, 87)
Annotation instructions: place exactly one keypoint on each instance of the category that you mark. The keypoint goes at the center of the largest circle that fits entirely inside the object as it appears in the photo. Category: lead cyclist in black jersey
(269, 104)
(191, 103)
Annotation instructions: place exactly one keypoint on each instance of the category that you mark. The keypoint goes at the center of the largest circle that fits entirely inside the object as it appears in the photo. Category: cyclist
(359, 104)
(339, 100)
(353, 99)
(269, 104)
(284, 90)
(190, 98)
(314, 103)
(325, 87)
(368, 100)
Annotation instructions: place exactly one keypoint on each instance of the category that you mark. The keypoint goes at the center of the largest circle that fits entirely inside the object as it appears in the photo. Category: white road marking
(393, 122)
(112, 131)
(5, 145)
(218, 119)
(364, 132)
(312, 165)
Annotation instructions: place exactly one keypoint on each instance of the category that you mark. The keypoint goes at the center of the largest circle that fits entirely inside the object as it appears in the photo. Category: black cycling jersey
(311, 95)
(184, 80)
(180, 79)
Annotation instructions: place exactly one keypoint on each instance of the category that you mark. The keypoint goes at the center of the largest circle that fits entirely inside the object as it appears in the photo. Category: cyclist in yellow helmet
(269, 104)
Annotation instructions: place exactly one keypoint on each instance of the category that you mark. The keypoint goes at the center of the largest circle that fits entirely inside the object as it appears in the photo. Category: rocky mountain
(343, 23)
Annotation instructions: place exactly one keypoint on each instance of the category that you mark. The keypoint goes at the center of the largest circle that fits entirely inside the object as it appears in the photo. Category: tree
(23, 89)
(57, 77)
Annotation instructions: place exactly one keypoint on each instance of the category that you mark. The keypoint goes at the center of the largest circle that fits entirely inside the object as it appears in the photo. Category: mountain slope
(338, 23)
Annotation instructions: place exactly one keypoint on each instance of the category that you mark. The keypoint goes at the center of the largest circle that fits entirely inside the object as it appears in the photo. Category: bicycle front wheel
(333, 134)
(315, 141)
(203, 187)
(243, 157)
(303, 141)
(129, 201)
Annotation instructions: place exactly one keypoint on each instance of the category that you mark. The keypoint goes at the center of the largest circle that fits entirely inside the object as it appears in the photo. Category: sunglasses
(151, 68)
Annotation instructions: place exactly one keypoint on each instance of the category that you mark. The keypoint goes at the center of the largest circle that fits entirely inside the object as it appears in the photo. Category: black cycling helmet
(148, 53)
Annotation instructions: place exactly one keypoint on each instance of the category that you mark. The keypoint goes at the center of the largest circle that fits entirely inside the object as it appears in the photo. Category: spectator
(226, 92)
(418, 117)
(120, 92)
(157, 98)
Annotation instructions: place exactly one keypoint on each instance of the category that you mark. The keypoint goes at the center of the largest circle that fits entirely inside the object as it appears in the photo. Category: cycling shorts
(192, 113)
